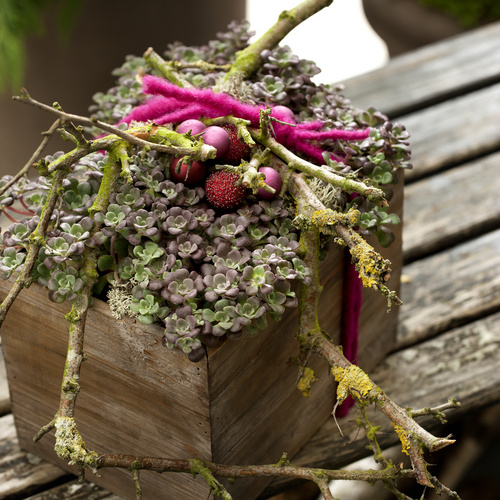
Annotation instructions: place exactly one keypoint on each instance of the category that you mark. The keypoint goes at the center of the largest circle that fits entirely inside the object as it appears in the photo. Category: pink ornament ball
(195, 126)
(283, 114)
(272, 179)
(196, 175)
(218, 138)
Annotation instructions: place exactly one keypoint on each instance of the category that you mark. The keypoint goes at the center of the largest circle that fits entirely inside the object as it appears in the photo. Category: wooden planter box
(240, 406)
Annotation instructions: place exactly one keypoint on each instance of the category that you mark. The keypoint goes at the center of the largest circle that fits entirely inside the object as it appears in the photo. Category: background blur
(72, 69)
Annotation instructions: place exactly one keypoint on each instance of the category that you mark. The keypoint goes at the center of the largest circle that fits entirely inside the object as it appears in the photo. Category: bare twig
(196, 151)
(136, 476)
(159, 464)
(437, 411)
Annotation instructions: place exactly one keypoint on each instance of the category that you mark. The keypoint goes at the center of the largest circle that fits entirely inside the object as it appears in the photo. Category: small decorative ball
(238, 149)
(218, 138)
(195, 126)
(283, 114)
(196, 175)
(223, 191)
(273, 180)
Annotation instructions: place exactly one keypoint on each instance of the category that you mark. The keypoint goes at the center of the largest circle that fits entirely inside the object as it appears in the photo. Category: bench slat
(449, 289)
(450, 207)
(454, 131)
(21, 473)
(75, 491)
(431, 73)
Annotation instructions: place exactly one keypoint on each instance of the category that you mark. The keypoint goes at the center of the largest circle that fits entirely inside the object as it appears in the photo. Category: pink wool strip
(172, 104)
(351, 309)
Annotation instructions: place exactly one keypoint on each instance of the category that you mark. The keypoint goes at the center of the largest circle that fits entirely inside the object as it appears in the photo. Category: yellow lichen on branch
(307, 378)
(70, 445)
(326, 219)
(351, 380)
(372, 268)
(403, 437)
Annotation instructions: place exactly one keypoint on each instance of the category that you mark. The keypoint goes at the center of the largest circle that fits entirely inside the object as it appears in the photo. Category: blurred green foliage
(18, 20)
(470, 13)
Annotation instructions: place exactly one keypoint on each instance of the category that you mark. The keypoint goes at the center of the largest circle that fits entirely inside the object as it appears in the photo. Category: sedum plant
(206, 183)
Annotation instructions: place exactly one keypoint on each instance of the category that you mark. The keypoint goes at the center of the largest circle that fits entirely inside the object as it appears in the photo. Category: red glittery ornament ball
(238, 149)
(222, 190)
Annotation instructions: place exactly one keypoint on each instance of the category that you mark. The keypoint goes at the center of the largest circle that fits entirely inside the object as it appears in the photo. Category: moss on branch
(70, 446)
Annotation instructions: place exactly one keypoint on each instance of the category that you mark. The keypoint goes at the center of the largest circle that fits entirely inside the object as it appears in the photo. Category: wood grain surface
(431, 74)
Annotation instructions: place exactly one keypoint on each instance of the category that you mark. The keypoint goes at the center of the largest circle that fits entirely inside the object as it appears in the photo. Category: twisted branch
(182, 146)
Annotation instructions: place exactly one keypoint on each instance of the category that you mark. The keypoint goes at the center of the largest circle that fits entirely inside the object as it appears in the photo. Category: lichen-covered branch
(357, 383)
(321, 172)
(351, 379)
(371, 435)
(373, 269)
(155, 61)
(159, 138)
(69, 444)
(281, 469)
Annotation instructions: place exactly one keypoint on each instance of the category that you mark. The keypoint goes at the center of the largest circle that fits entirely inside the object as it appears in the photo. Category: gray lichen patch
(70, 445)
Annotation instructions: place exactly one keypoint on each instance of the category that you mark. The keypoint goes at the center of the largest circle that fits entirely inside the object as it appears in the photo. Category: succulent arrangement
(214, 179)
(206, 248)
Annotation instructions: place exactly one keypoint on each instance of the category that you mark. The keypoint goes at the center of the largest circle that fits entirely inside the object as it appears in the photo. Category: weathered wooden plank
(4, 388)
(450, 288)
(463, 363)
(430, 74)
(73, 490)
(21, 473)
(454, 131)
(447, 208)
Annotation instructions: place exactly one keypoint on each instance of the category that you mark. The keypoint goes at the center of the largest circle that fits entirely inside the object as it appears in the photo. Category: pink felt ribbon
(171, 104)
(351, 309)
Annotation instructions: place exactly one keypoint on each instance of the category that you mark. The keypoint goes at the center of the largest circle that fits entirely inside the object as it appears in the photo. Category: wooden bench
(448, 96)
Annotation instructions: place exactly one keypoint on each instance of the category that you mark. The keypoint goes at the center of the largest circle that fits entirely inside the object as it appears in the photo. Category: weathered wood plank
(76, 491)
(463, 363)
(454, 131)
(21, 473)
(450, 288)
(4, 388)
(430, 74)
(447, 208)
